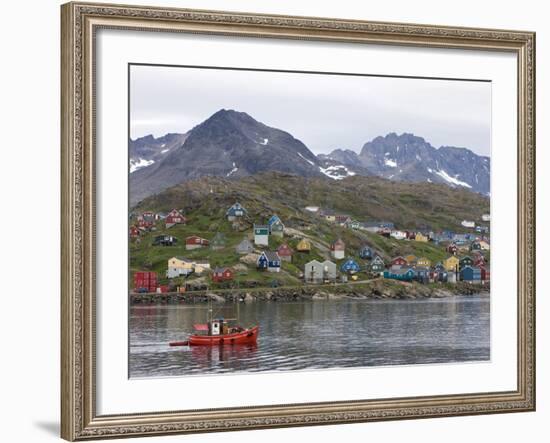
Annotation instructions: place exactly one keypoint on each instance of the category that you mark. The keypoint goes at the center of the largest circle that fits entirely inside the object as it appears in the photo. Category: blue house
(365, 253)
(470, 274)
(273, 219)
(422, 274)
(270, 261)
(465, 261)
(403, 274)
(350, 266)
(276, 226)
(235, 211)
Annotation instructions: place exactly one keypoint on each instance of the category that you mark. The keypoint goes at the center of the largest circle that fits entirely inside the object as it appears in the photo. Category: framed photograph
(277, 221)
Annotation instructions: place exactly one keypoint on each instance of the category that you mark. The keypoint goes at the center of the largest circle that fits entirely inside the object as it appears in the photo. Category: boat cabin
(218, 326)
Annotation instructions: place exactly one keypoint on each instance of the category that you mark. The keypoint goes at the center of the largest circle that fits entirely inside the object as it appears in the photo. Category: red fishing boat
(220, 331)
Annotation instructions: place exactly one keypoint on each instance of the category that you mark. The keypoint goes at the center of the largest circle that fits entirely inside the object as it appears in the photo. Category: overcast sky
(323, 111)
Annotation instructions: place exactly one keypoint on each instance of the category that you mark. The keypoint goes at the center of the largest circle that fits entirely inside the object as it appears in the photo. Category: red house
(341, 219)
(222, 274)
(285, 252)
(452, 249)
(134, 232)
(479, 261)
(195, 242)
(175, 217)
(145, 225)
(398, 262)
(485, 273)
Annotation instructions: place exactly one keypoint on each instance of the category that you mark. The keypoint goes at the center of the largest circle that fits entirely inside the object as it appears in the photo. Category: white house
(468, 224)
(338, 249)
(261, 235)
(398, 235)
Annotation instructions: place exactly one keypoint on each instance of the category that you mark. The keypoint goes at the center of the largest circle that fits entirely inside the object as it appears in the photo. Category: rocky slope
(228, 144)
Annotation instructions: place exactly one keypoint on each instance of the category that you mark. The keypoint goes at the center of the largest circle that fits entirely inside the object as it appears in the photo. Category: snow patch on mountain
(309, 161)
(452, 180)
(235, 169)
(139, 164)
(337, 172)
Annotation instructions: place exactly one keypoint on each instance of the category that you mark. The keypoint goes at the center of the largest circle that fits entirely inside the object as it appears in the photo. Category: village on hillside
(171, 252)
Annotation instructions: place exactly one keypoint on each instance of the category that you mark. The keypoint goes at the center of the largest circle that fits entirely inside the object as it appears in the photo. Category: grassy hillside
(408, 205)
(206, 200)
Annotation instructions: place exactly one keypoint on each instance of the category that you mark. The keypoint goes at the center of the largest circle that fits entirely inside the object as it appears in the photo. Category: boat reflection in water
(221, 356)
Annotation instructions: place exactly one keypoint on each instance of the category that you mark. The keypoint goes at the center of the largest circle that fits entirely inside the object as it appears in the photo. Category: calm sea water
(314, 334)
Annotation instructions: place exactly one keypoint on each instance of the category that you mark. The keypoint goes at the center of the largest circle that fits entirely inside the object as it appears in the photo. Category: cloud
(324, 111)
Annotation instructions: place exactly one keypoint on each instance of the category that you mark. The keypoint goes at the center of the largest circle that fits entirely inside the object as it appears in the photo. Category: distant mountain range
(147, 150)
(232, 144)
(407, 157)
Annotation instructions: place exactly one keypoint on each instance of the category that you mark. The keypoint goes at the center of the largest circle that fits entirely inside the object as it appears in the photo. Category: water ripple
(315, 335)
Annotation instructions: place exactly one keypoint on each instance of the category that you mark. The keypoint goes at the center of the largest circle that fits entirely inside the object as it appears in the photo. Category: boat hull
(247, 336)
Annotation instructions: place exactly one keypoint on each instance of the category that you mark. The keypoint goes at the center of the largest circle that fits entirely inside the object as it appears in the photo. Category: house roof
(274, 218)
(328, 262)
(261, 226)
(235, 207)
(313, 262)
(338, 243)
(285, 249)
(185, 259)
(350, 262)
(271, 255)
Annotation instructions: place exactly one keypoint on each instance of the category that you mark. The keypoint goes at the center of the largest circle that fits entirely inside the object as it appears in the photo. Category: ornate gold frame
(78, 417)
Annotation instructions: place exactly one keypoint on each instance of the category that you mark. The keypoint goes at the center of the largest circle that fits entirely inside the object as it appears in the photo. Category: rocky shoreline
(378, 289)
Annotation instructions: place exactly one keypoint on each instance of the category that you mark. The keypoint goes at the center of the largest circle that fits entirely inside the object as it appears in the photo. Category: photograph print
(289, 220)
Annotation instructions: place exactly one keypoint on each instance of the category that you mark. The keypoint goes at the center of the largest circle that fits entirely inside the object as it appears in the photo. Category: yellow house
(411, 259)
(424, 262)
(201, 266)
(178, 266)
(451, 264)
(303, 246)
(420, 237)
(180, 263)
